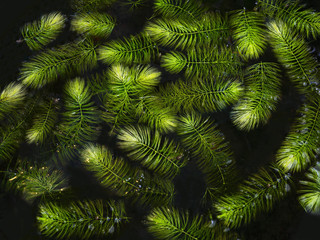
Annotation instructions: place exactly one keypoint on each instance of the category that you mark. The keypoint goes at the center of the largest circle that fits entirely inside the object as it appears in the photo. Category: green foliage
(310, 190)
(249, 33)
(202, 63)
(80, 119)
(137, 49)
(169, 223)
(303, 21)
(207, 145)
(11, 98)
(43, 182)
(116, 174)
(179, 9)
(186, 34)
(201, 95)
(151, 111)
(294, 54)
(256, 195)
(125, 86)
(93, 24)
(301, 145)
(39, 33)
(48, 66)
(81, 219)
(43, 123)
(261, 96)
(134, 4)
(152, 150)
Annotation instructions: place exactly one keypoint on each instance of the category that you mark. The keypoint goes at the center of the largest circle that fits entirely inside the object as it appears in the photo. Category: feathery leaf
(300, 147)
(301, 21)
(201, 95)
(137, 49)
(11, 97)
(202, 62)
(39, 33)
(261, 95)
(93, 24)
(154, 151)
(179, 9)
(50, 65)
(116, 174)
(310, 190)
(293, 53)
(256, 195)
(90, 5)
(186, 34)
(81, 219)
(249, 33)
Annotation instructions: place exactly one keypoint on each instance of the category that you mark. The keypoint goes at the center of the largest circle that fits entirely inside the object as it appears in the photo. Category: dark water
(252, 150)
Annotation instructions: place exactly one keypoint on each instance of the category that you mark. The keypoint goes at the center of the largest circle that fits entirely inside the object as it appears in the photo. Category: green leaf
(65, 61)
(43, 182)
(11, 98)
(256, 195)
(179, 9)
(300, 147)
(93, 24)
(80, 119)
(249, 33)
(310, 190)
(207, 145)
(186, 34)
(125, 180)
(43, 123)
(201, 95)
(261, 96)
(294, 54)
(202, 62)
(152, 150)
(169, 223)
(139, 49)
(152, 111)
(81, 219)
(40, 33)
(305, 22)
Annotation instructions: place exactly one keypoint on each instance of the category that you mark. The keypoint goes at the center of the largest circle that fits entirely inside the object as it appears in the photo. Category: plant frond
(126, 85)
(294, 54)
(207, 145)
(39, 33)
(301, 145)
(11, 97)
(179, 9)
(261, 96)
(139, 49)
(152, 150)
(202, 62)
(303, 21)
(151, 111)
(202, 95)
(50, 65)
(184, 34)
(80, 119)
(310, 190)
(93, 24)
(43, 123)
(170, 223)
(81, 219)
(116, 174)
(90, 5)
(43, 182)
(249, 33)
(256, 195)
